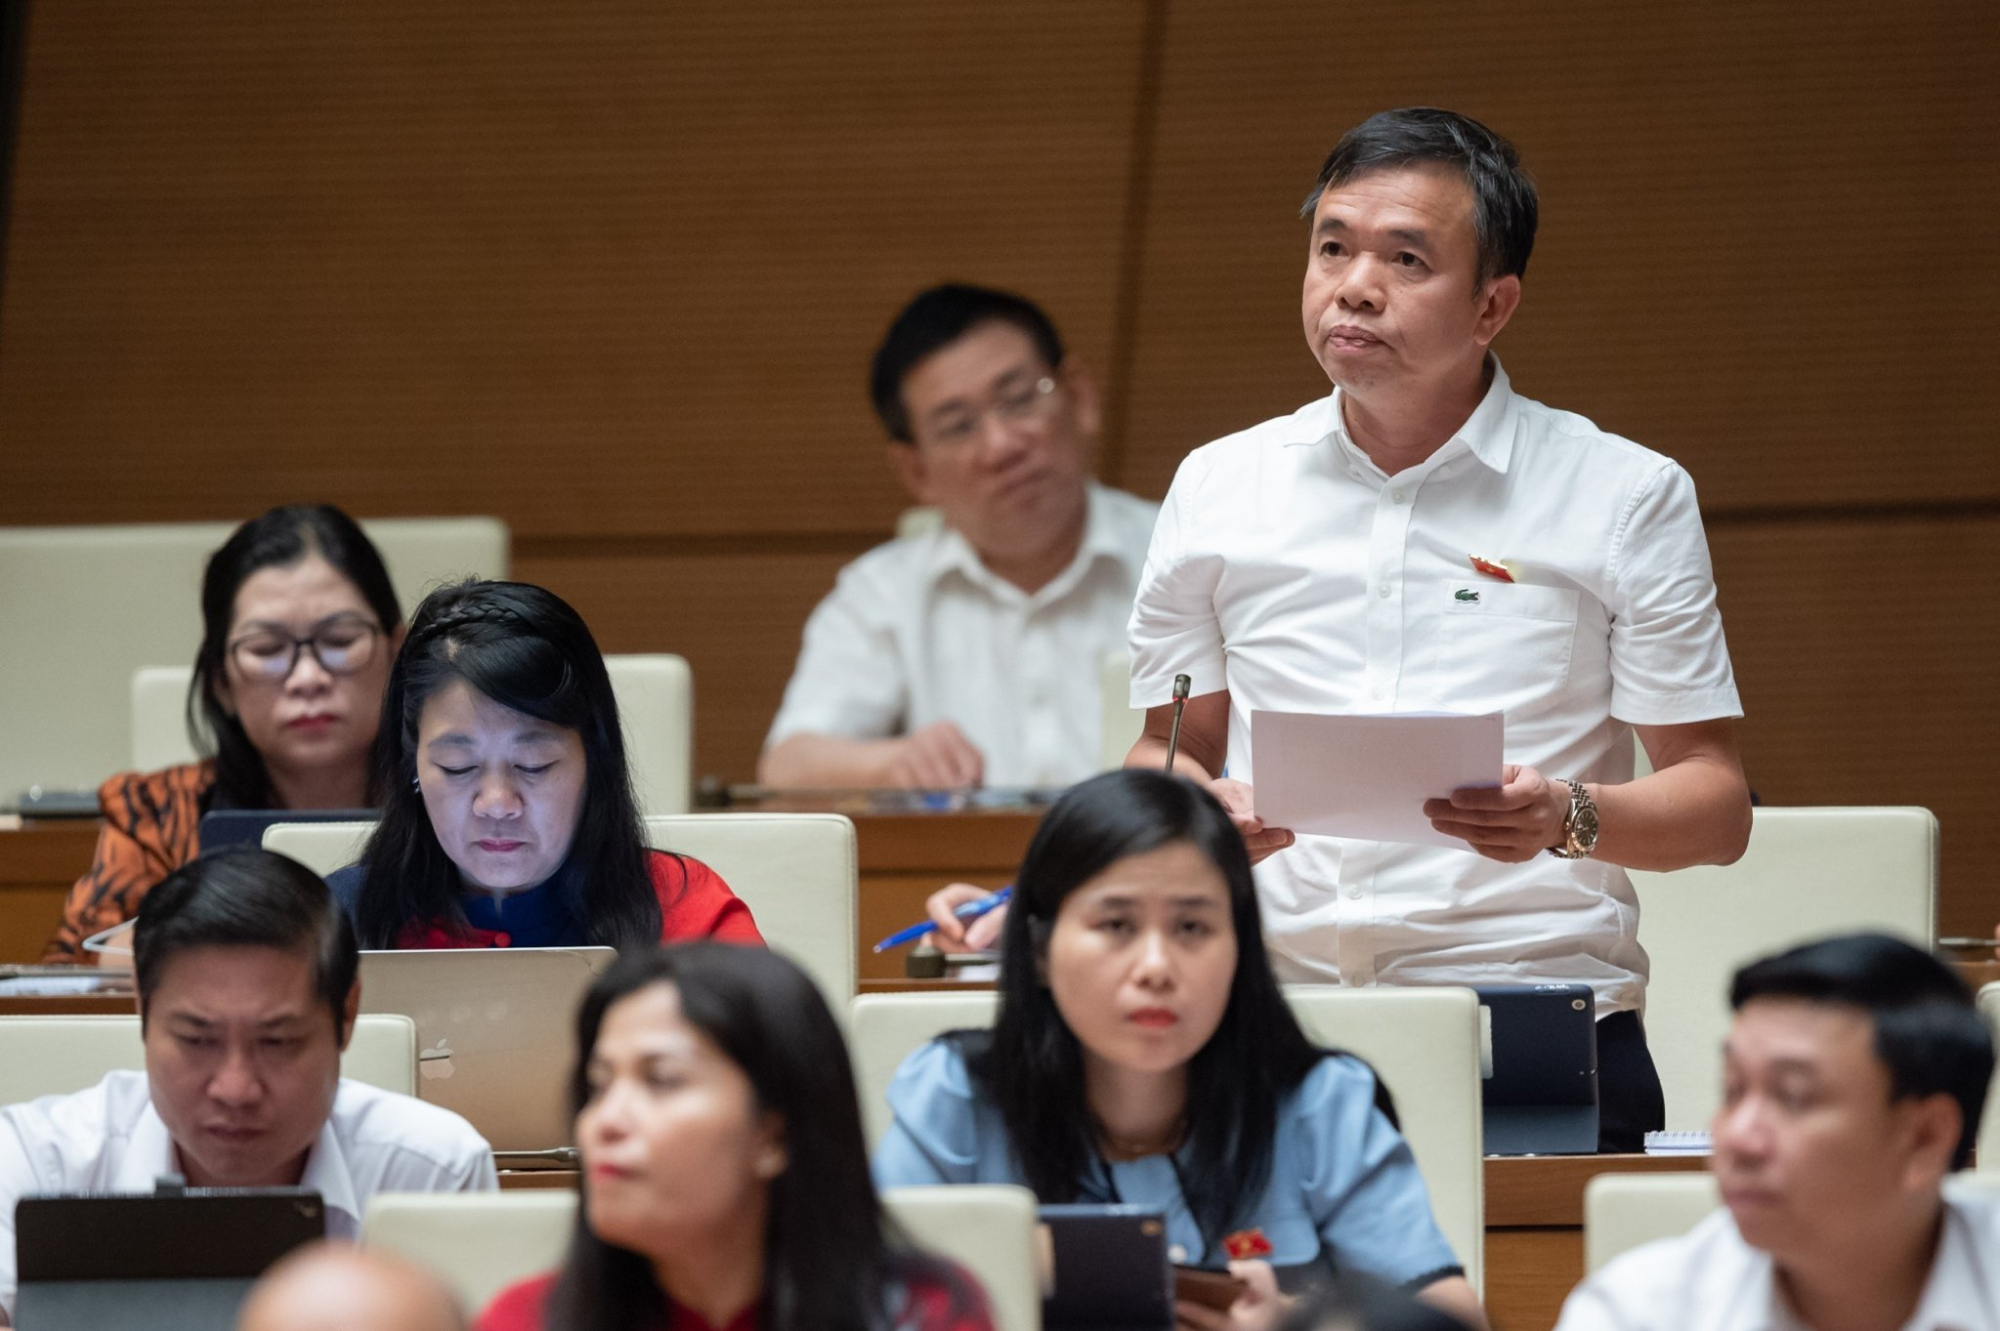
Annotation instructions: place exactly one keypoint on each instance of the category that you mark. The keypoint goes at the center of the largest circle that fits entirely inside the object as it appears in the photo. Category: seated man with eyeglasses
(299, 625)
(970, 655)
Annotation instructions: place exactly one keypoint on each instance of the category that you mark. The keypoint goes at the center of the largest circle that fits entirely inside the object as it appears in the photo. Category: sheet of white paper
(1368, 776)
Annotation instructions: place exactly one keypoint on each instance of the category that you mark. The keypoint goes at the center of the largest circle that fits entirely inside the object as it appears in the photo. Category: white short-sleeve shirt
(1287, 568)
(109, 1138)
(919, 630)
(1710, 1278)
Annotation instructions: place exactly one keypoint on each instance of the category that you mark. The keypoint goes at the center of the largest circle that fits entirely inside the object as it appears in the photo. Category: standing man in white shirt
(971, 655)
(246, 972)
(1853, 1079)
(1426, 540)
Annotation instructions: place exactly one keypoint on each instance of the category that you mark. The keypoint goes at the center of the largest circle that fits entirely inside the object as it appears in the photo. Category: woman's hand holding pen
(956, 935)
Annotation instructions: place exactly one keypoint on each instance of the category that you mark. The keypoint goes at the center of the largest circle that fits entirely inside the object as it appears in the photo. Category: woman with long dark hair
(508, 818)
(725, 1180)
(299, 622)
(1145, 1054)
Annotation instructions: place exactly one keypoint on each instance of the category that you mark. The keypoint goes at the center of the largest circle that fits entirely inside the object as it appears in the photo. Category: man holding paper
(1425, 540)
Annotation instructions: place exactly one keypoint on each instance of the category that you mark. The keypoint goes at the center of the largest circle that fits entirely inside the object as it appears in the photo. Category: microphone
(1181, 685)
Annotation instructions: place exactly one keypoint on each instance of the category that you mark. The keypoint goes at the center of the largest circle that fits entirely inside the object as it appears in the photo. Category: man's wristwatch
(1579, 829)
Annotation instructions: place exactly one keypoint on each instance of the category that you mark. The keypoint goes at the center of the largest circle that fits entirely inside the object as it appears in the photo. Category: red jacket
(694, 903)
(927, 1307)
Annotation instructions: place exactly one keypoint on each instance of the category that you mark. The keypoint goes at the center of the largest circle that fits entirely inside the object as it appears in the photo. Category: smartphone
(1210, 1289)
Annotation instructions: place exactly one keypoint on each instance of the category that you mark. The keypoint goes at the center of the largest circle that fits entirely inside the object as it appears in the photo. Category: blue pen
(970, 911)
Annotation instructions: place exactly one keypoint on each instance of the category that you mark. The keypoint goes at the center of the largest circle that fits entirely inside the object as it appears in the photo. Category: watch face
(1583, 833)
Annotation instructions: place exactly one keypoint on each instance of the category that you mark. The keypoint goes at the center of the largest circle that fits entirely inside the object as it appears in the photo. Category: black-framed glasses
(342, 645)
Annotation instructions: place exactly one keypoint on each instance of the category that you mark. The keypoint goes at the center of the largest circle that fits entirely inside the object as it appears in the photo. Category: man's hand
(1515, 822)
(956, 935)
(1236, 798)
(938, 757)
(1258, 1308)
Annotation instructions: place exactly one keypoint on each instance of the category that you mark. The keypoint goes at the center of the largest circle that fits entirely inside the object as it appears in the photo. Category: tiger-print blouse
(150, 823)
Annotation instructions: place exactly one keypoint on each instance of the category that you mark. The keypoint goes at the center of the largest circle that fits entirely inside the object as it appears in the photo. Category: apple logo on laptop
(435, 1063)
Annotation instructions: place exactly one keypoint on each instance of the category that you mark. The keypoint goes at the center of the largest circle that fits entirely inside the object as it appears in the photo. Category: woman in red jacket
(725, 1179)
(509, 819)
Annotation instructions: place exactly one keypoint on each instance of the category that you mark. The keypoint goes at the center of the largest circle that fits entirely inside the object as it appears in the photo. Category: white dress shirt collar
(951, 553)
(1487, 434)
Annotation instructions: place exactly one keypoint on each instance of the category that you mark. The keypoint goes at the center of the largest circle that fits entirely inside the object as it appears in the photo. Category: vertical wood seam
(1132, 243)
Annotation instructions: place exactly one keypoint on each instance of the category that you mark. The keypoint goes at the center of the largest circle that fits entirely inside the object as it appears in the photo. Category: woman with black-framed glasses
(299, 625)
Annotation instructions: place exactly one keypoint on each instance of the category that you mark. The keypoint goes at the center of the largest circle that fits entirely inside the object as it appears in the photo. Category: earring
(417, 785)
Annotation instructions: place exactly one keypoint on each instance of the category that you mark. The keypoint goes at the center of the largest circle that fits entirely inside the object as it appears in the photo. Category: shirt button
(1396, 495)
(1354, 894)
(1177, 1253)
(503, 940)
(1383, 591)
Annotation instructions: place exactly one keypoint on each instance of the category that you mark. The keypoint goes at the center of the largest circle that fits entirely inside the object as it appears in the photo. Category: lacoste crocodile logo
(1465, 594)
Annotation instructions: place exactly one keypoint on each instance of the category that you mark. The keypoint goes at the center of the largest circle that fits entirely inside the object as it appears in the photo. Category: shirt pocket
(1505, 647)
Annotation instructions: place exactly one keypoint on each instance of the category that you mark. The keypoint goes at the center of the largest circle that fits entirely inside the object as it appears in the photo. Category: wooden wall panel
(1763, 242)
(1865, 653)
(612, 267)
(735, 617)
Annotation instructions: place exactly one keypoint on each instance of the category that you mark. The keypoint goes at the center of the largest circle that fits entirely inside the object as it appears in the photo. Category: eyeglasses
(1013, 406)
(342, 645)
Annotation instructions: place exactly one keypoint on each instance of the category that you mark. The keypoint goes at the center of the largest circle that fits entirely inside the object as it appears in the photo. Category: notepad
(1368, 776)
(1677, 1143)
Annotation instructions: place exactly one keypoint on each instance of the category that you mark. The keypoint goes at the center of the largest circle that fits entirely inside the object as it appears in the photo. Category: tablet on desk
(237, 827)
(1540, 1097)
(170, 1261)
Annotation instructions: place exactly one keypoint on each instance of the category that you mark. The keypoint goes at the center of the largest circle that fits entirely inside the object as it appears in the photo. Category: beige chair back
(1623, 1211)
(885, 1029)
(989, 1229)
(1808, 873)
(1989, 1123)
(479, 1243)
(655, 705)
(60, 1055)
(1424, 1043)
(87, 606)
(159, 718)
(796, 872)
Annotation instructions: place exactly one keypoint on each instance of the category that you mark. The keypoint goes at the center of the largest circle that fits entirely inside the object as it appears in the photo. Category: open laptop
(1540, 1096)
(496, 1033)
(235, 827)
(1108, 1269)
(168, 1261)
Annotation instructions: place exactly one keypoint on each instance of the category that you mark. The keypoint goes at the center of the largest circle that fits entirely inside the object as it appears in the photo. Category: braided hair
(524, 648)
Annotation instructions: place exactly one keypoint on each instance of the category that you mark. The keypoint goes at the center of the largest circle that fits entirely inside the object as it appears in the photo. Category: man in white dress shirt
(246, 971)
(1426, 540)
(970, 655)
(1853, 1079)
